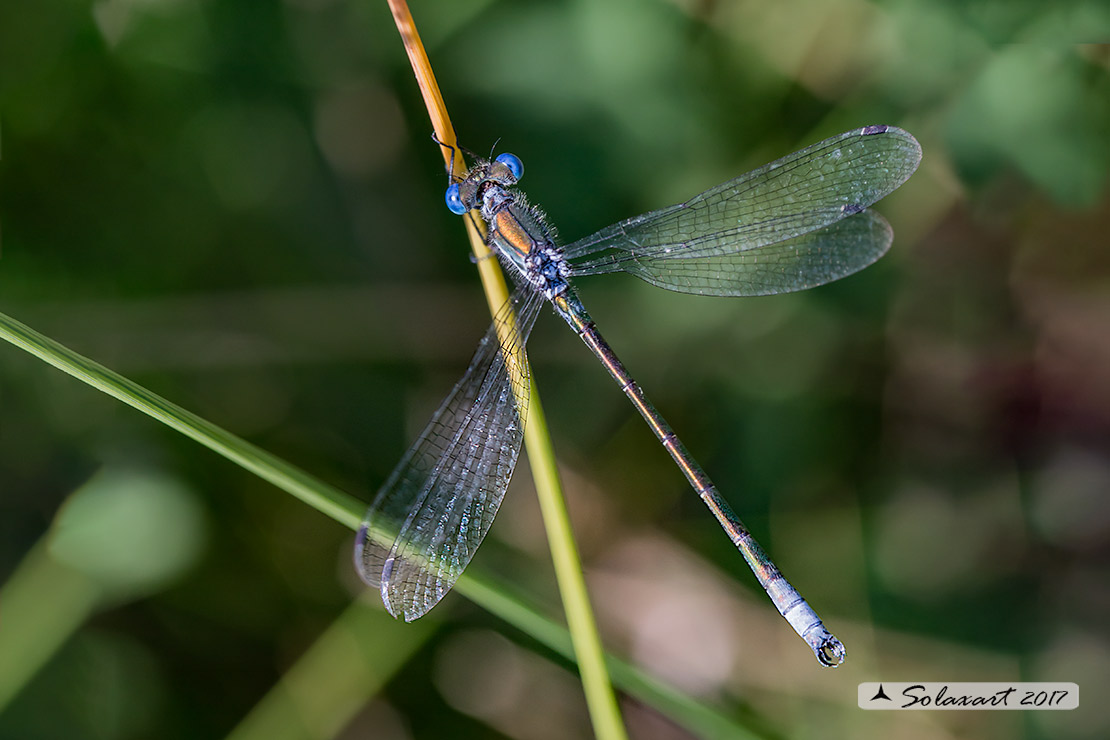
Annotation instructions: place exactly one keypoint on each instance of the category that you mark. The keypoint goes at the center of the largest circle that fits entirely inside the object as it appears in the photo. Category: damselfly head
(502, 171)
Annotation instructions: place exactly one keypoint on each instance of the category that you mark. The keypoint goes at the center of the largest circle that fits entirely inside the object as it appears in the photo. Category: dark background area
(238, 206)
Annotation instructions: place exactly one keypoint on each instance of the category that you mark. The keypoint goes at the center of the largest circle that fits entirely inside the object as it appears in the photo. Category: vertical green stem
(568, 572)
(602, 703)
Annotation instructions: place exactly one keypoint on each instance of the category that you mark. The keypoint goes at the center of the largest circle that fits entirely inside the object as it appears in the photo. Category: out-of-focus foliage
(237, 204)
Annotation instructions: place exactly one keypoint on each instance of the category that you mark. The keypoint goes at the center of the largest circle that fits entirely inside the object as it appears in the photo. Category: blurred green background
(237, 204)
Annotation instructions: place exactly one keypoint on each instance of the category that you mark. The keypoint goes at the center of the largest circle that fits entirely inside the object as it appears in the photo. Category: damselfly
(799, 222)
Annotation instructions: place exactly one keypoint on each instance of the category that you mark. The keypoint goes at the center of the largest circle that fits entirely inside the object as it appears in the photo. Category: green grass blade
(701, 719)
(340, 506)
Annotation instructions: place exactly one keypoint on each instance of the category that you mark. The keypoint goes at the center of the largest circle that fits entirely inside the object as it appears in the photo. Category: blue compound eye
(516, 167)
(454, 200)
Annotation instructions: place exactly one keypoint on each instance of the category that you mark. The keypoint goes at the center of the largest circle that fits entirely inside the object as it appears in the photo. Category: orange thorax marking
(513, 233)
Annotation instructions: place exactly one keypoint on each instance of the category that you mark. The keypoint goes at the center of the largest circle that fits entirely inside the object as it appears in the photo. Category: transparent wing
(437, 506)
(800, 193)
(806, 261)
